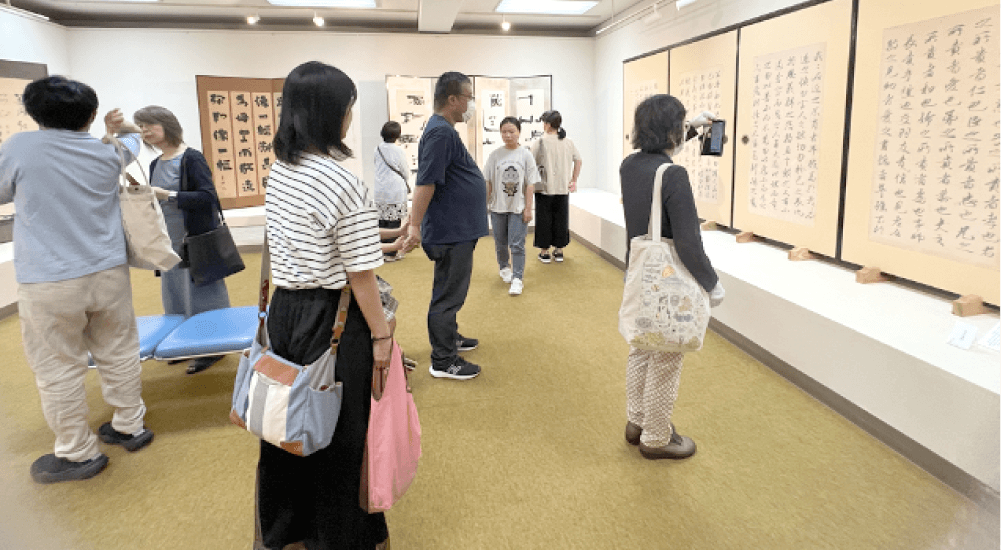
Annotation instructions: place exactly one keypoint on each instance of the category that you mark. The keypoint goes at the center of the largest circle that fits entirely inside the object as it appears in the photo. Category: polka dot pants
(652, 379)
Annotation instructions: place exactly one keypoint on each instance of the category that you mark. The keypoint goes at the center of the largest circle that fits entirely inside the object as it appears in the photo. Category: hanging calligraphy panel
(703, 77)
(641, 78)
(922, 200)
(791, 104)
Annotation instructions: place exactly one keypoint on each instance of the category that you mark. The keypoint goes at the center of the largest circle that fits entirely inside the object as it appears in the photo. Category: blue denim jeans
(509, 232)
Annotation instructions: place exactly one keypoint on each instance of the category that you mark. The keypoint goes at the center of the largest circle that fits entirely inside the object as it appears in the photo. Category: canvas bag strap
(341, 319)
(393, 168)
(656, 207)
(184, 187)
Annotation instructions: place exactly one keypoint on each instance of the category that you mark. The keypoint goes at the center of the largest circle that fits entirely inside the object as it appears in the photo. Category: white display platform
(882, 347)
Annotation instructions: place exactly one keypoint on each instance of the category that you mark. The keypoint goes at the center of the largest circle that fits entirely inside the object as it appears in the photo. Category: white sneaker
(505, 274)
(516, 287)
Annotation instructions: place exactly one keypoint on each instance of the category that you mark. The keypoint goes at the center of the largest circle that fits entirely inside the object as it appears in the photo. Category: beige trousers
(652, 379)
(60, 322)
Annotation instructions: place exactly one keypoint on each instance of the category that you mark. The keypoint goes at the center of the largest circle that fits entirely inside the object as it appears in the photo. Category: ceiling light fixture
(18, 11)
(682, 3)
(253, 19)
(317, 20)
(370, 4)
(505, 24)
(545, 7)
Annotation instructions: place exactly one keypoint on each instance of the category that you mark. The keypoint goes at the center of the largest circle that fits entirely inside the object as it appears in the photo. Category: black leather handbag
(212, 255)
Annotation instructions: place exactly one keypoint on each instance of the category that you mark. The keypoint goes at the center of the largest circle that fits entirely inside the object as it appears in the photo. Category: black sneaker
(460, 369)
(544, 257)
(558, 256)
(466, 344)
(131, 443)
(53, 469)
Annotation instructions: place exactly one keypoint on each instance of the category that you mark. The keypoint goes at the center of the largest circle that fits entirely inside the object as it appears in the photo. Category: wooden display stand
(800, 253)
(868, 275)
(746, 237)
(968, 306)
(709, 225)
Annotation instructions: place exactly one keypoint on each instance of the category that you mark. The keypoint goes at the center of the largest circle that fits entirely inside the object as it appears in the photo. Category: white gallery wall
(28, 39)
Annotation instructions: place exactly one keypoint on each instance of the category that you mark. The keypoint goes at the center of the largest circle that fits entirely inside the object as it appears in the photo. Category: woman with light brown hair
(182, 181)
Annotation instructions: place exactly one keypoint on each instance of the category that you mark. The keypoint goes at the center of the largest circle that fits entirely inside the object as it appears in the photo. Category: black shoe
(558, 256)
(460, 369)
(131, 443)
(466, 344)
(633, 433)
(202, 363)
(53, 469)
(544, 257)
(680, 446)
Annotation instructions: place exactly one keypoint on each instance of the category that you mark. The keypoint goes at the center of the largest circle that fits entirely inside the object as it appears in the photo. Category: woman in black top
(652, 377)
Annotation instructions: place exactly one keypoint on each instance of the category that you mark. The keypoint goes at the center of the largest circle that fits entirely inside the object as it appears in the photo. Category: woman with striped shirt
(323, 234)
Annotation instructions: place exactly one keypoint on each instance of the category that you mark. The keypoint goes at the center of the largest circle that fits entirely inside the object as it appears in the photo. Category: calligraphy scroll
(936, 177)
(641, 78)
(494, 110)
(786, 110)
(13, 117)
(528, 107)
(700, 91)
(264, 135)
(244, 143)
(413, 109)
(220, 147)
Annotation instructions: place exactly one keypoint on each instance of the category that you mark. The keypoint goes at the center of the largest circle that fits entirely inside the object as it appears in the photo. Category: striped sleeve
(357, 234)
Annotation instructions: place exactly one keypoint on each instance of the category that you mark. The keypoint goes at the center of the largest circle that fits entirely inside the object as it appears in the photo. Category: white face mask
(470, 112)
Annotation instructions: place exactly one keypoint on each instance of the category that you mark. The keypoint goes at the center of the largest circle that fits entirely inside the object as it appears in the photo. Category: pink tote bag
(393, 446)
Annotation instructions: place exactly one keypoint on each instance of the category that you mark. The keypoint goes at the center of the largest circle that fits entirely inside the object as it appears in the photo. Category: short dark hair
(659, 124)
(315, 100)
(391, 131)
(154, 114)
(510, 120)
(448, 84)
(61, 103)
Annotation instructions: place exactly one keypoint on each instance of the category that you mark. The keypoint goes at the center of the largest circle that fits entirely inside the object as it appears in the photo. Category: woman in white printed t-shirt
(511, 177)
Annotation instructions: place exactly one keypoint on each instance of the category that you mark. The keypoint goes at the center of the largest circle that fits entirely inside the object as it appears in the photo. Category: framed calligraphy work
(923, 171)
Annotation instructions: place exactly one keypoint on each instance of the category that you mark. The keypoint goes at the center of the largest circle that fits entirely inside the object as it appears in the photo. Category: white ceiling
(467, 16)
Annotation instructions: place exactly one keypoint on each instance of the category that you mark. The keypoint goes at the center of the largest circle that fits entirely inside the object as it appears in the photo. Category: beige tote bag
(146, 237)
(663, 307)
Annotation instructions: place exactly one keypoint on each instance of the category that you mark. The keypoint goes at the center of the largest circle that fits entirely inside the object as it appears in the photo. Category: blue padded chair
(216, 332)
(153, 329)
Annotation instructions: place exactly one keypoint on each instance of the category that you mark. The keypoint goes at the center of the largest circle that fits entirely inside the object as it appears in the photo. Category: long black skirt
(314, 499)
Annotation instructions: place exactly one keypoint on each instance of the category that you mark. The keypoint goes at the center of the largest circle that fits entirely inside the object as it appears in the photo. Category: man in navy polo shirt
(449, 216)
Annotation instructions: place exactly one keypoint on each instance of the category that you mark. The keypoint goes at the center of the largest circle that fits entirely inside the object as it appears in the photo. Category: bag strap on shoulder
(393, 168)
(656, 207)
(341, 319)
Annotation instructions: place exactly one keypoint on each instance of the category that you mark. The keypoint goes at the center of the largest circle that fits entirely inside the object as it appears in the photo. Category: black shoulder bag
(211, 256)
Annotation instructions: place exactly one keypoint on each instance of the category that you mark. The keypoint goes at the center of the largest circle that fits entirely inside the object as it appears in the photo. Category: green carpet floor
(528, 455)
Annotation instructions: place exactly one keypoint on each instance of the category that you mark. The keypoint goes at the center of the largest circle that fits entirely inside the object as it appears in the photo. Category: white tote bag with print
(663, 307)
(146, 238)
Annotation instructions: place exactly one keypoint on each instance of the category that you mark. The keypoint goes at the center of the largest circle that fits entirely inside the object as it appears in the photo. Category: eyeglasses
(470, 97)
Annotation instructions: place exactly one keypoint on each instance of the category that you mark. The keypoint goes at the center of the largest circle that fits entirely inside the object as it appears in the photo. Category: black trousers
(314, 499)
(552, 221)
(389, 224)
(453, 268)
